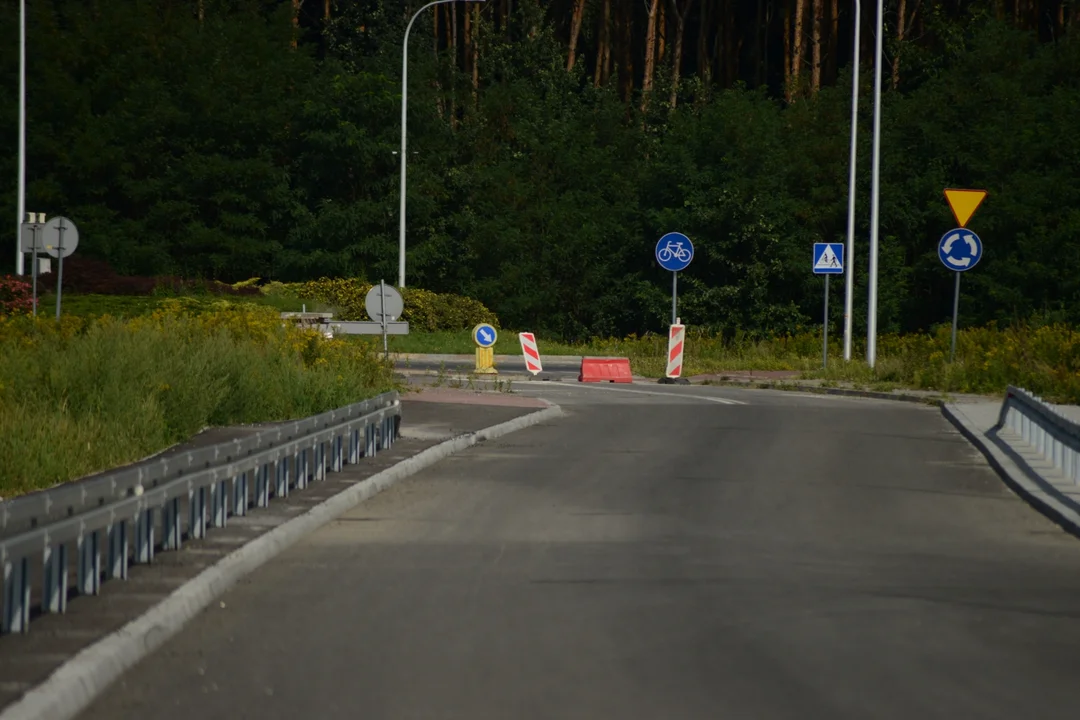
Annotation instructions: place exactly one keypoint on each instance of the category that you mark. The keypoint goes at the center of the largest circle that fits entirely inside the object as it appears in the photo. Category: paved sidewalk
(1019, 464)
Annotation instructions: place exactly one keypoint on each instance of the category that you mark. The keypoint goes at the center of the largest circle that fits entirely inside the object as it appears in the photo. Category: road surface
(660, 552)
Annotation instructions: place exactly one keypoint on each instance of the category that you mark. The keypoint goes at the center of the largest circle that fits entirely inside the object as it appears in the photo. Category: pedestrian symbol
(828, 258)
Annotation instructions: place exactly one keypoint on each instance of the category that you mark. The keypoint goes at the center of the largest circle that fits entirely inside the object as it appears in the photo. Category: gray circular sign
(59, 232)
(384, 300)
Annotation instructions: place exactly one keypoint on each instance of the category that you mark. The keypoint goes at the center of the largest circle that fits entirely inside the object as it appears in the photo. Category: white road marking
(604, 388)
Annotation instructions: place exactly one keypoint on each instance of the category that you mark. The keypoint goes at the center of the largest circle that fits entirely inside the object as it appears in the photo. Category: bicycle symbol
(674, 249)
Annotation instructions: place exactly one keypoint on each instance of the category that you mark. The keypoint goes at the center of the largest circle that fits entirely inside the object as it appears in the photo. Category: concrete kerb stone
(76, 683)
(1014, 476)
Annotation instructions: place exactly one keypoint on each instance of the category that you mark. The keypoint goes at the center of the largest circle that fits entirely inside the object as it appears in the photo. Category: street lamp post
(404, 107)
(849, 280)
(21, 201)
(871, 318)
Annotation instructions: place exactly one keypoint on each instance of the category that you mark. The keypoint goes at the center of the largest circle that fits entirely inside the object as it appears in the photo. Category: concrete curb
(846, 392)
(1033, 492)
(76, 683)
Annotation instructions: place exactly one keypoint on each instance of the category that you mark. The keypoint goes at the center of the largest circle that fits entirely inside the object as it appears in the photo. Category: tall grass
(89, 394)
(1042, 358)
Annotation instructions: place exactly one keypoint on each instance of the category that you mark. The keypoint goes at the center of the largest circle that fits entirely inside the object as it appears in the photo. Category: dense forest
(550, 145)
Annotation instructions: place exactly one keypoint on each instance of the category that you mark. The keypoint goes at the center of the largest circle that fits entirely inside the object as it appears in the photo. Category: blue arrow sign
(828, 258)
(484, 335)
(674, 251)
(960, 250)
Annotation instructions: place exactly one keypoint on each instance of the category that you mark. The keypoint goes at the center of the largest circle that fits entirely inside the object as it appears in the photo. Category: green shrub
(425, 311)
(84, 395)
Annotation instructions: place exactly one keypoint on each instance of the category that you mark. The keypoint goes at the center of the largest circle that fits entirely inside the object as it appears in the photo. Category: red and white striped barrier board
(531, 353)
(676, 340)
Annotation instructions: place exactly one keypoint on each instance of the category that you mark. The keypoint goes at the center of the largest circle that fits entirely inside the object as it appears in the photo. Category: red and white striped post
(530, 352)
(676, 342)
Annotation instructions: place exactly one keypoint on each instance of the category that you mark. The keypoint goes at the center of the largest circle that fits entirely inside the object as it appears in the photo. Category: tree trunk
(466, 40)
(600, 75)
(326, 9)
(661, 34)
(575, 30)
(200, 10)
(676, 59)
(787, 52)
(797, 49)
(833, 45)
(732, 46)
(296, 5)
(624, 18)
(815, 49)
(476, 55)
(703, 42)
(903, 28)
(650, 55)
(901, 13)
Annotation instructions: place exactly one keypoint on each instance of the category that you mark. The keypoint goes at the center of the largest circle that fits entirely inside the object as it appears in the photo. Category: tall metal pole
(21, 202)
(404, 107)
(849, 279)
(955, 314)
(674, 298)
(825, 330)
(871, 319)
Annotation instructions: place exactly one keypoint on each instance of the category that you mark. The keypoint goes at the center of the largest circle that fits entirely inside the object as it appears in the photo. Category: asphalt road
(652, 556)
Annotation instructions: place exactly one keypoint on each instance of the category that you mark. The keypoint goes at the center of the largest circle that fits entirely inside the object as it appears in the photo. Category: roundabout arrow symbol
(949, 242)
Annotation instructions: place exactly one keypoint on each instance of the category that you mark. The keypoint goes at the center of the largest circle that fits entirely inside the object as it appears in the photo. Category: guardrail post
(219, 506)
(337, 459)
(118, 549)
(240, 494)
(320, 461)
(262, 486)
(369, 440)
(196, 513)
(144, 536)
(300, 463)
(89, 549)
(281, 469)
(170, 520)
(354, 446)
(16, 617)
(54, 593)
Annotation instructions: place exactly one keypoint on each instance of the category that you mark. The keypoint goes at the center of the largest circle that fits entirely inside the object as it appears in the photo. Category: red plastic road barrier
(605, 370)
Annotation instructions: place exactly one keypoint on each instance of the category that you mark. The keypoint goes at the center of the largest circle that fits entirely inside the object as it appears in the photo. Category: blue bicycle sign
(674, 251)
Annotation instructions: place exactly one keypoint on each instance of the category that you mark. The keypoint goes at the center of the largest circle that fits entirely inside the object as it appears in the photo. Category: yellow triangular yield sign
(964, 203)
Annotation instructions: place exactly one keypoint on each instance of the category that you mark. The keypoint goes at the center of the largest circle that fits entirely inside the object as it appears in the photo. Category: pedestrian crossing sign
(828, 258)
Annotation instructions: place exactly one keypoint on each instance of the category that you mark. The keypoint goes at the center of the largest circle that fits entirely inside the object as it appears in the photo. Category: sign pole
(21, 191)
(674, 298)
(60, 269)
(34, 260)
(825, 330)
(955, 313)
(382, 313)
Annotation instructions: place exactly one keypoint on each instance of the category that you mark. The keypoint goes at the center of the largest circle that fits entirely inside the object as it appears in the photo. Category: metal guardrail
(1049, 432)
(115, 511)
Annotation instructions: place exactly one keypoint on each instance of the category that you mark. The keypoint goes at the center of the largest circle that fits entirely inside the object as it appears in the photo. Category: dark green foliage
(218, 151)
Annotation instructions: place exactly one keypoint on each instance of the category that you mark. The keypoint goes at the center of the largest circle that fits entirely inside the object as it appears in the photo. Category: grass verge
(84, 395)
